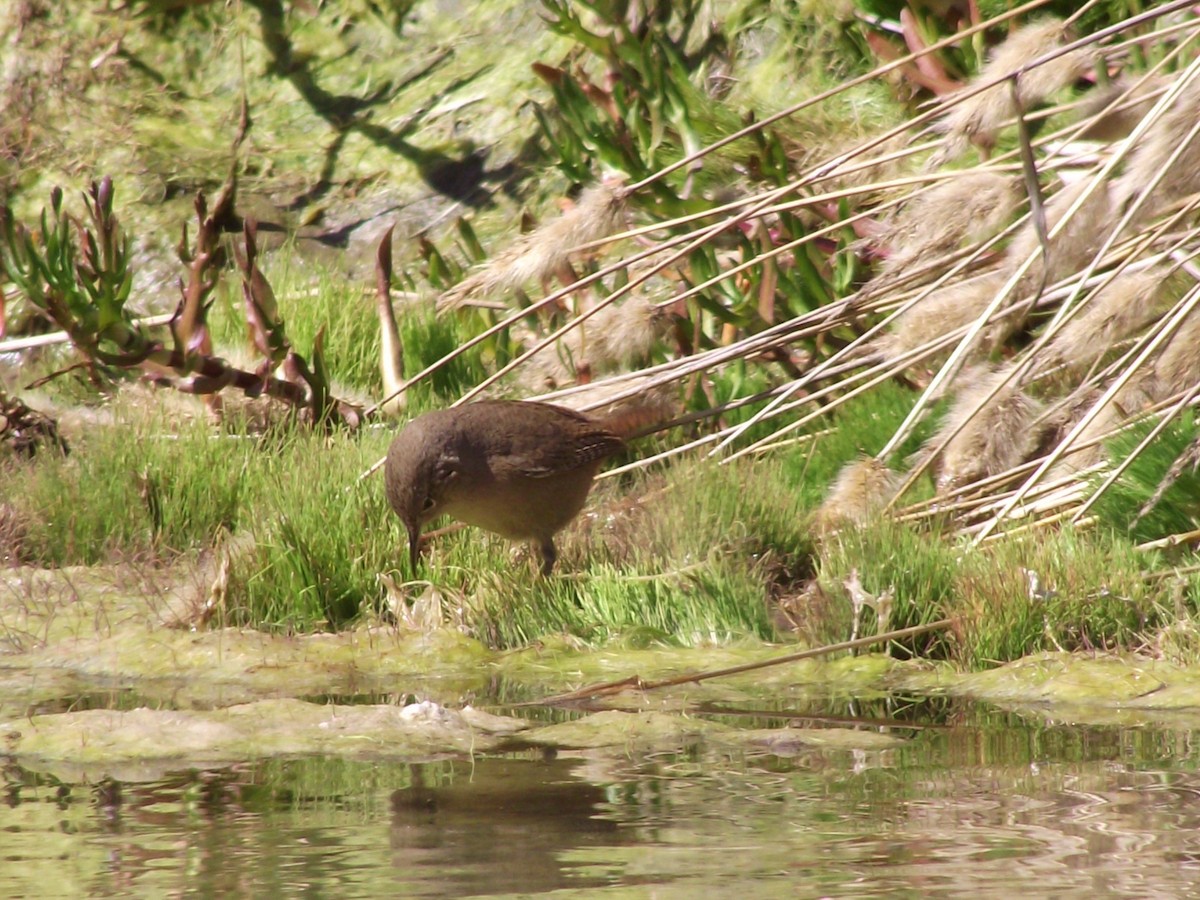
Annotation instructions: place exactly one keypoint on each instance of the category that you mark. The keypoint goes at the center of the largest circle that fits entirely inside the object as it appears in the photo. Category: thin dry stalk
(697, 239)
(1028, 530)
(739, 209)
(1053, 501)
(633, 681)
(14, 345)
(814, 322)
(1171, 540)
(980, 495)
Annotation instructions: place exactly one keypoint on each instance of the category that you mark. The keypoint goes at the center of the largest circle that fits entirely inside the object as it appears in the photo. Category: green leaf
(474, 250)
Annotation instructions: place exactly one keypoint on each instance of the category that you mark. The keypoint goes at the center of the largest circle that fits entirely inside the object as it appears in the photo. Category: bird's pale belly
(523, 509)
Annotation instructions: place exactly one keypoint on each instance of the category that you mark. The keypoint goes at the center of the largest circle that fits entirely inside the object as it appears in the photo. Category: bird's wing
(583, 449)
(560, 443)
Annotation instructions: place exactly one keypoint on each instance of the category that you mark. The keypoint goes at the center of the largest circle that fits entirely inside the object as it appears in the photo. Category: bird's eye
(428, 504)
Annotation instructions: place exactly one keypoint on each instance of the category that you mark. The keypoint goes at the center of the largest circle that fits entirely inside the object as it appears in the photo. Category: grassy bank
(692, 552)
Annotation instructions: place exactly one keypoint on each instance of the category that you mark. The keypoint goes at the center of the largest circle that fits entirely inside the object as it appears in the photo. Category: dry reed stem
(692, 242)
(1139, 354)
(980, 495)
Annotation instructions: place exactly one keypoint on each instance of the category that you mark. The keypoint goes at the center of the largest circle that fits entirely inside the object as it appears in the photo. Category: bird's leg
(549, 555)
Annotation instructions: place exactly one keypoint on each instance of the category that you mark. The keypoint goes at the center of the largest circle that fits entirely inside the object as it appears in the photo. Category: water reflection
(504, 827)
(973, 801)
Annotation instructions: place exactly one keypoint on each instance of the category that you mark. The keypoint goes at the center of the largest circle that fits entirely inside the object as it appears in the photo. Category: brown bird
(519, 469)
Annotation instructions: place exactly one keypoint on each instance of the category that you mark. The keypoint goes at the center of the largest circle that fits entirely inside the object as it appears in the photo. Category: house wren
(519, 469)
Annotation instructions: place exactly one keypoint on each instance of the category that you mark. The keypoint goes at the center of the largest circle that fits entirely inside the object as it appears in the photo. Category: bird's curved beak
(414, 546)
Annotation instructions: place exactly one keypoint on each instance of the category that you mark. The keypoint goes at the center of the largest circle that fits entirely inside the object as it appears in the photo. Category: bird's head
(421, 466)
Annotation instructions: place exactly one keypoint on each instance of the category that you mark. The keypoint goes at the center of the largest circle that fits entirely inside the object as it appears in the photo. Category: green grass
(1091, 593)
(1178, 510)
(686, 563)
(155, 490)
(691, 554)
(145, 488)
(312, 297)
(321, 537)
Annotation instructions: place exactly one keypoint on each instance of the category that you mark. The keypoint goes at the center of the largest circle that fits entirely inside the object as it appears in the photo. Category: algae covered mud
(144, 760)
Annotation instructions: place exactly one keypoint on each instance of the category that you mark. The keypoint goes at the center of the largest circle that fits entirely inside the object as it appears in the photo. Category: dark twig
(635, 681)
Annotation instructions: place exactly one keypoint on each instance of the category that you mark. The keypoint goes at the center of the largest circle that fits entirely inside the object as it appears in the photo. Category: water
(975, 802)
